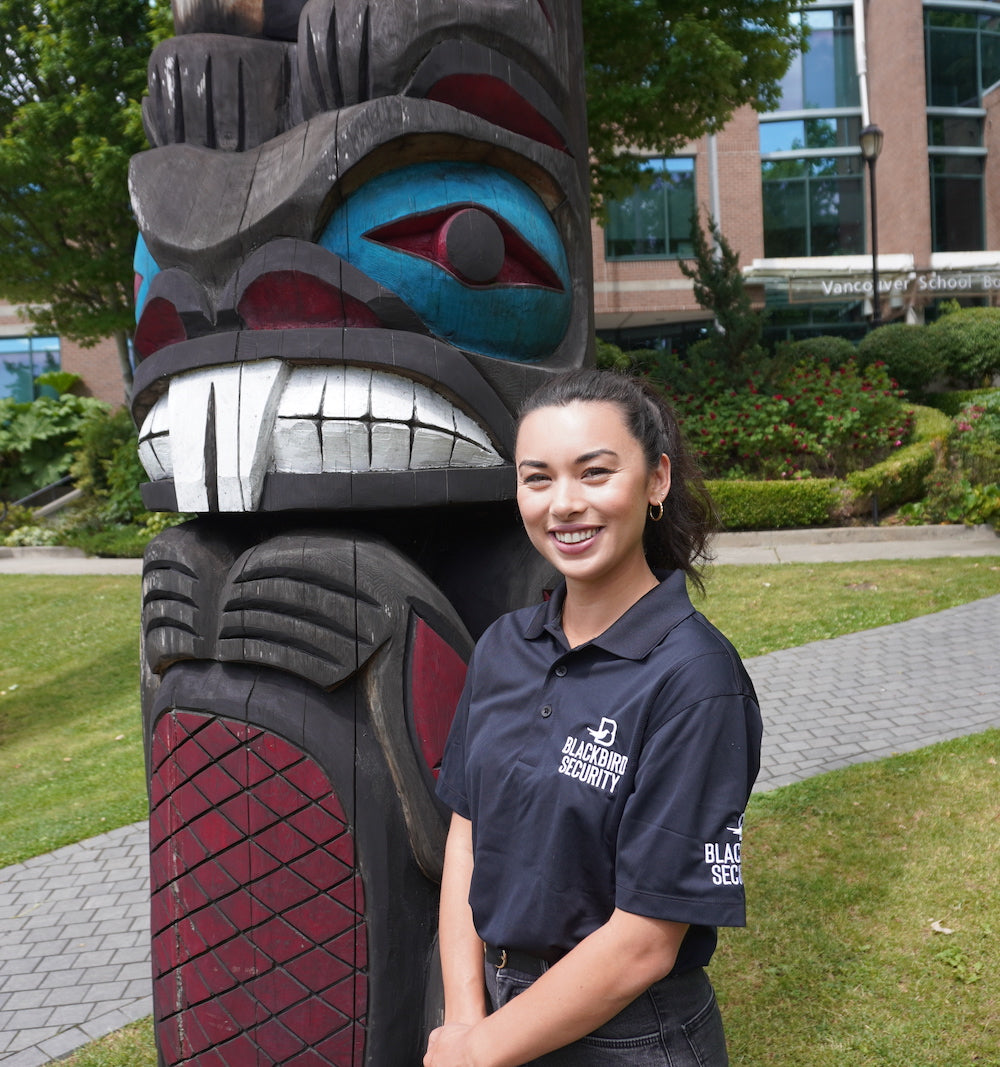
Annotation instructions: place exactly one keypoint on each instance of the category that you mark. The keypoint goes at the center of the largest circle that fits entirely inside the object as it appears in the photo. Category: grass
(71, 759)
(130, 1047)
(780, 605)
(874, 911)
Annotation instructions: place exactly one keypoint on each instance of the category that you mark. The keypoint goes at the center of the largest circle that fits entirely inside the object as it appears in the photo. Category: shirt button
(546, 711)
(561, 670)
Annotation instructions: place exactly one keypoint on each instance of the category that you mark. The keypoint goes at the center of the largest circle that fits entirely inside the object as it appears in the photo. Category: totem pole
(364, 240)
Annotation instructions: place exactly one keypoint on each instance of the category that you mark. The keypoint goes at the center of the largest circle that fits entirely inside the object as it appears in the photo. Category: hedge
(750, 505)
(952, 403)
(778, 505)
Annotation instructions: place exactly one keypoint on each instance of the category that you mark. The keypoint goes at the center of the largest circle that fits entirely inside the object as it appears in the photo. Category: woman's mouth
(575, 537)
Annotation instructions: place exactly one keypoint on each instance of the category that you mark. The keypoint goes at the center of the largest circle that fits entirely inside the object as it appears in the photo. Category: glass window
(957, 203)
(813, 207)
(22, 359)
(955, 131)
(963, 56)
(825, 76)
(791, 135)
(952, 75)
(655, 221)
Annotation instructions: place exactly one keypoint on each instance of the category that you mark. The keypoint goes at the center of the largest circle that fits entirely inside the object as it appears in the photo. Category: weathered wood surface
(364, 242)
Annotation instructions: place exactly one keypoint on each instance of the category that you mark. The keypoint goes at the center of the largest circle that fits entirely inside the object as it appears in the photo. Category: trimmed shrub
(823, 349)
(908, 352)
(902, 477)
(951, 403)
(776, 505)
(969, 342)
(610, 357)
(749, 505)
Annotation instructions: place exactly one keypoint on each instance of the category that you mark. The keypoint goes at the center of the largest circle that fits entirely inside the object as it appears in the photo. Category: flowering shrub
(812, 419)
(976, 441)
(967, 487)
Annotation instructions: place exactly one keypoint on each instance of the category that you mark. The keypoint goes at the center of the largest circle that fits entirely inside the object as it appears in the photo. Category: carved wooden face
(364, 239)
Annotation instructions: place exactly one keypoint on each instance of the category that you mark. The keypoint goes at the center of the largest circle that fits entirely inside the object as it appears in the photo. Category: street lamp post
(871, 145)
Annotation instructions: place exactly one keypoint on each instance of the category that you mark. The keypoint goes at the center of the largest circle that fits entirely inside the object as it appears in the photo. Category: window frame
(612, 257)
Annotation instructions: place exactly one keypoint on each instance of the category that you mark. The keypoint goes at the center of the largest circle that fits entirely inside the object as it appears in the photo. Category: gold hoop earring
(655, 517)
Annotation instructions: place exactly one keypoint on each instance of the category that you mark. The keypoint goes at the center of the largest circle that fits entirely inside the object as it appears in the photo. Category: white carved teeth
(271, 416)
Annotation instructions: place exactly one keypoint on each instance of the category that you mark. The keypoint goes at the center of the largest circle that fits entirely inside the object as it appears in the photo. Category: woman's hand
(448, 1047)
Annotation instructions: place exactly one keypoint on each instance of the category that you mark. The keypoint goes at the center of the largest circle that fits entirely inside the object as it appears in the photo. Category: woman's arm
(589, 986)
(461, 948)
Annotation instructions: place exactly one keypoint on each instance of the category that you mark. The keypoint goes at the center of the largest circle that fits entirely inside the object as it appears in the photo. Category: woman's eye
(534, 479)
(596, 472)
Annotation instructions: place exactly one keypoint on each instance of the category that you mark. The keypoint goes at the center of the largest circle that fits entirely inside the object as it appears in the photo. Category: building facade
(791, 191)
(25, 355)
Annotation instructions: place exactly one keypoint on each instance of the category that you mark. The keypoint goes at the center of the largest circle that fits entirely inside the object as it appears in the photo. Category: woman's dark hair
(680, 540)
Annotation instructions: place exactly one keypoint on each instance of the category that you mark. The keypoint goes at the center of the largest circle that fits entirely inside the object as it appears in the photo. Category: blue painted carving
(520, 314)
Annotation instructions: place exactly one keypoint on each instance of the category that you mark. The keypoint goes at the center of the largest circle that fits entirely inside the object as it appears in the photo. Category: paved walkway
(74, 951)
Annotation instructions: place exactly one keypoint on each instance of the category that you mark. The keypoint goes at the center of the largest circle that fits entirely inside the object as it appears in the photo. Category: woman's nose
(566, 499)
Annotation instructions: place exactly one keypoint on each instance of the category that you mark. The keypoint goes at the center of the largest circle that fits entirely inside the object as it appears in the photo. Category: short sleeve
(452, 788)
(680, 836)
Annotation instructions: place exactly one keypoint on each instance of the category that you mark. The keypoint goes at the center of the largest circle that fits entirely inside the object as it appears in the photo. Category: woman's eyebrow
(588, 456)
(537, 464)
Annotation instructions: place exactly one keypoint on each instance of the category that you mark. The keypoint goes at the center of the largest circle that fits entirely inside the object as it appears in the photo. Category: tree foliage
(719, 288)
(664, 72)
(72, 73)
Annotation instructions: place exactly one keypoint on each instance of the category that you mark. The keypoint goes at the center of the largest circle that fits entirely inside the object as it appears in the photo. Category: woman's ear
(659, 481)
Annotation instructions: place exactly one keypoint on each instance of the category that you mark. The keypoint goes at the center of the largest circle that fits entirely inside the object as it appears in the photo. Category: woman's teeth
(575, 537)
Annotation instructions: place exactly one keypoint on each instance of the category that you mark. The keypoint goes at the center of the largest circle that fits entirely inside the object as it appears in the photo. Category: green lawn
(71, 758)
(779, 605)
(874, 912)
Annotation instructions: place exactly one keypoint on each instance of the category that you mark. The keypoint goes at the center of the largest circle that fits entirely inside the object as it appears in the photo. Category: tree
(719, 287)
(72, 73)
(663, 72)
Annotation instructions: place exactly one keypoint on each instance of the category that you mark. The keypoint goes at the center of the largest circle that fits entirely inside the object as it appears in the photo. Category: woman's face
(584, 489)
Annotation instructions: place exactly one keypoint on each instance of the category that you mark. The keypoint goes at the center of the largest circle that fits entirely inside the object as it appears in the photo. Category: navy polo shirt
(610, 775)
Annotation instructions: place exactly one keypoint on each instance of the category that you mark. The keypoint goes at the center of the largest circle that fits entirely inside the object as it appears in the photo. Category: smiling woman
(578, 861)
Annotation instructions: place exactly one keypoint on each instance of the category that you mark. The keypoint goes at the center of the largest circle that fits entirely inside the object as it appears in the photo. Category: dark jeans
(675, 1023)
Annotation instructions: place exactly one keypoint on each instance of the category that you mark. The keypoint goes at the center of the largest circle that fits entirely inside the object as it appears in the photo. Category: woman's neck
(588, 611)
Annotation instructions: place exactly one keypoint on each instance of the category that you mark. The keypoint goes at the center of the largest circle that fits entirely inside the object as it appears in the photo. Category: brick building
(23, 356)
(790, 188)
(790, 191)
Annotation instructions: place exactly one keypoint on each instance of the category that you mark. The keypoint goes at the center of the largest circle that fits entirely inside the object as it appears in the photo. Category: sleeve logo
(723, 858)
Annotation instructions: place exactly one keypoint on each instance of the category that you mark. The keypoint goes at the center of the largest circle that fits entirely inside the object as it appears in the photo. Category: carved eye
(471, 243)
(470, 249)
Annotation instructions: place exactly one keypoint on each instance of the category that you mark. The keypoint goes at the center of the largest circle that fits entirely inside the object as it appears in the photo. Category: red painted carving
(259, 939)
(159, 326)
(288, 299)
(437, 674)
(497, 102)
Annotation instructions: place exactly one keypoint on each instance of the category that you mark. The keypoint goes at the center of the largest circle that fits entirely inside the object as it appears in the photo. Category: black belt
(516, 961)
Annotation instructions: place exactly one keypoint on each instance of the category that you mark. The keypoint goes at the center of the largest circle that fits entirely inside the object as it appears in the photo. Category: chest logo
(593, 762)
(605, 734)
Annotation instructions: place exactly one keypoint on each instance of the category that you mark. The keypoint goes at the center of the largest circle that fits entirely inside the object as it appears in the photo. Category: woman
(599, 764)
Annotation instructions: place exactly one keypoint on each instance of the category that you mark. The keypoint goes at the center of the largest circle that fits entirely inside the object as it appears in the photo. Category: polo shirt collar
(638, 631)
